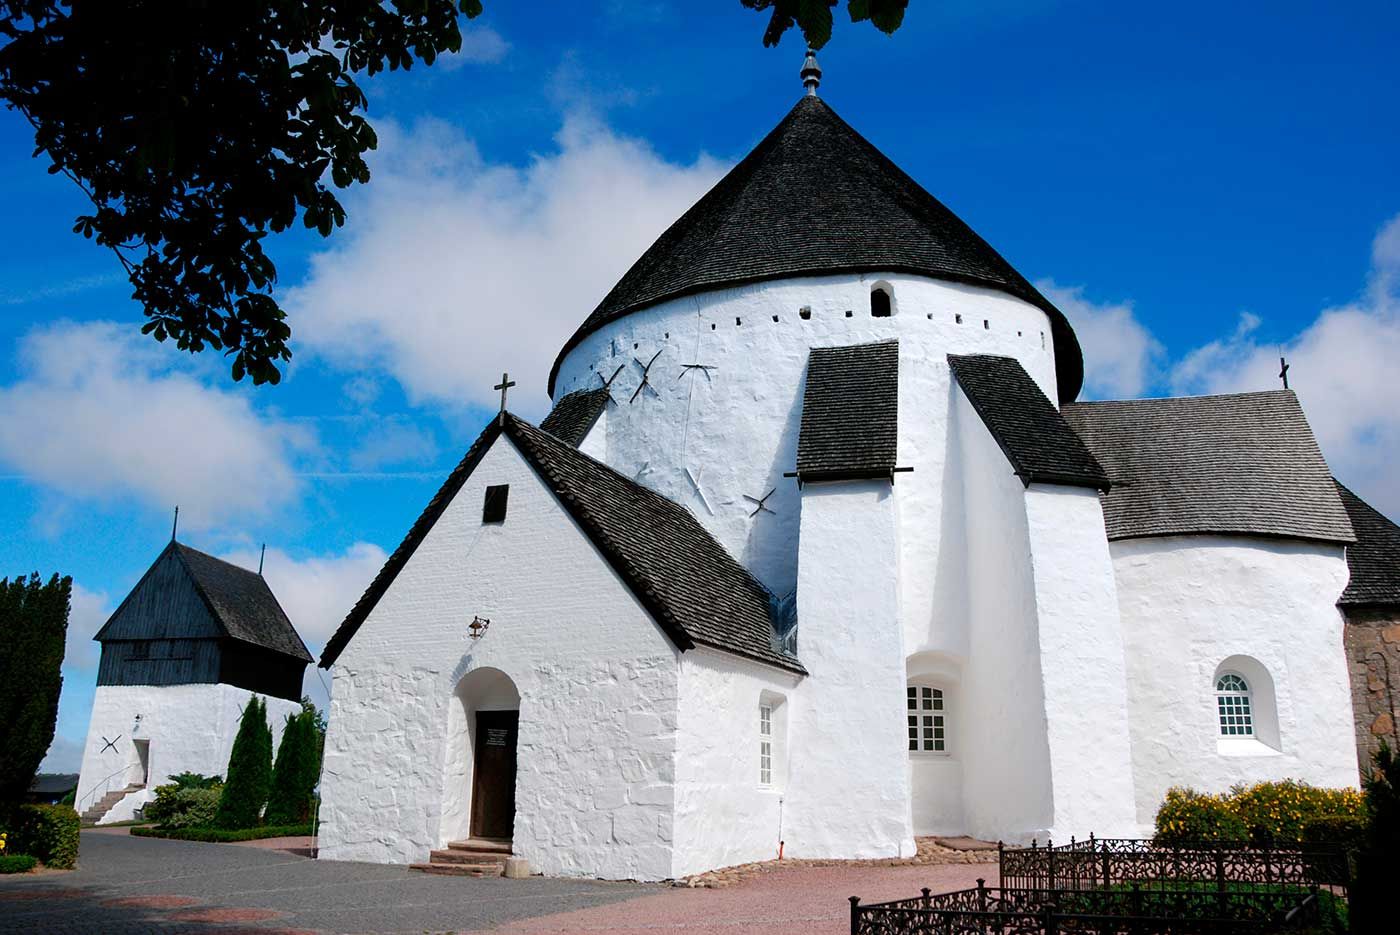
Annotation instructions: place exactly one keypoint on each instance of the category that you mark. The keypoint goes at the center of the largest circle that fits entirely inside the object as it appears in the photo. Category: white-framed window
(1234, 705)
(928, 719)
(765, 745)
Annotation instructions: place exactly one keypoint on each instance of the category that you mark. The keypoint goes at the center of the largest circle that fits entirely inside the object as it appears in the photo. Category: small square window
(494, 509)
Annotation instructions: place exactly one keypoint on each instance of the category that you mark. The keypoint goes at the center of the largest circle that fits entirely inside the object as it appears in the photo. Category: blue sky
(1197, 185)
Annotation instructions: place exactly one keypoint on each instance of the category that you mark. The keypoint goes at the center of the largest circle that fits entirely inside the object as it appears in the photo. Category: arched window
(1234, 705)
(927, 713)
(879, 302)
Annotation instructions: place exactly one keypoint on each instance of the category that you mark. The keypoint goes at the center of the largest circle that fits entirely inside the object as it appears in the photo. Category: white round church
(816, 553)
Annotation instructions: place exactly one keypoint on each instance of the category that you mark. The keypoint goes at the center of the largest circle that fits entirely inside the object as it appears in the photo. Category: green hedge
(178, 806)
(48, 832)
(223, 835)
(1188, 816)
(17, 863)
(1265, 813)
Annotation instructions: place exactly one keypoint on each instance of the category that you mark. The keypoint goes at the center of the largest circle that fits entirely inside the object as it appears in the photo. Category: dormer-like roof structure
(816, 198)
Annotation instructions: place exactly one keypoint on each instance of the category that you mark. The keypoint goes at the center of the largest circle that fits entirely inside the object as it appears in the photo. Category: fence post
(1093, 863)
(928, 897)
(1268, 864)
(981, 894)
(1219, 883)
(1051, 923)
(1050, 863)
(1137, 899)
(1001, 865)
(855, 915)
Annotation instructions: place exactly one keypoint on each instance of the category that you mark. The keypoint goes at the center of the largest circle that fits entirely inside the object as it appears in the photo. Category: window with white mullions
(927, 720)
(765, 745)
(1234, 706)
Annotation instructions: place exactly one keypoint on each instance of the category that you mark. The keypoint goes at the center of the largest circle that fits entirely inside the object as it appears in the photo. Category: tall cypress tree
(294, 776)
(249, 770)
(33, 625)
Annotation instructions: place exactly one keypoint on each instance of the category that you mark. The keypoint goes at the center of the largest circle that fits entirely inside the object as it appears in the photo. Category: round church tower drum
(814, 240)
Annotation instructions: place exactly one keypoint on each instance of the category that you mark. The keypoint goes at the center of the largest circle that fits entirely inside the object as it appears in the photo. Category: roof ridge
(1168, 399)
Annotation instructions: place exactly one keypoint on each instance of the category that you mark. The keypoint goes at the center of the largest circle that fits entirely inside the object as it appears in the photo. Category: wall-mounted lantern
(478, 627)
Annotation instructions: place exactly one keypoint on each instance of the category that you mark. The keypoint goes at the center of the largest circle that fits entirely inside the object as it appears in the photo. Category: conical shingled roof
(814, 198)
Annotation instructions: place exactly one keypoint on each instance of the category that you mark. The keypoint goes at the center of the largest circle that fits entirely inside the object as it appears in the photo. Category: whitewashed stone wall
(723, 815)
(190, 728)
(848, 771)
(1189, 604)
(735, 432)
(597, 682)
(1082, 663)
(1007, 792)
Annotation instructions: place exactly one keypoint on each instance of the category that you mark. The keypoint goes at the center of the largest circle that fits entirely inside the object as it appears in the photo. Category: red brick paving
(225, 915)
(152, 902)
(803, 901)
(27, 895)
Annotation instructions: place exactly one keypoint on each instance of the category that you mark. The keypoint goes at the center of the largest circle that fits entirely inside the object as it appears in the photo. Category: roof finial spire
(811, 72)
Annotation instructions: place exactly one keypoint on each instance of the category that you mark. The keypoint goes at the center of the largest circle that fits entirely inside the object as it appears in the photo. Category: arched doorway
(488, 716)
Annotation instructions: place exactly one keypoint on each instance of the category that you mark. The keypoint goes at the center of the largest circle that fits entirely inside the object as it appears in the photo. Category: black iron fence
(1135, 911)
(1119, 862)
(1128, 887)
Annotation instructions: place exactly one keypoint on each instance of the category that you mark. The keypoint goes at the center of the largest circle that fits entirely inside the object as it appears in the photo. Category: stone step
(460, 870)
(482, 845)
(457, 856)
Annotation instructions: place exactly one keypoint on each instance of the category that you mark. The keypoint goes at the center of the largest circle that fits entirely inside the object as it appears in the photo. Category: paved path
(127, 885)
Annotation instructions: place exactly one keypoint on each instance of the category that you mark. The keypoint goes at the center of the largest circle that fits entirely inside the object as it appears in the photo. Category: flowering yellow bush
(1264, 813)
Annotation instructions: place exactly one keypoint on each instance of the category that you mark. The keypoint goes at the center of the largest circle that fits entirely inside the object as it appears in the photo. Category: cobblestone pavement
(801, 901)
(126, 885)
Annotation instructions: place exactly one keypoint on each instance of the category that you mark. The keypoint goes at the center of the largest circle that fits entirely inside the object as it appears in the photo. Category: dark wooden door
(493, 774)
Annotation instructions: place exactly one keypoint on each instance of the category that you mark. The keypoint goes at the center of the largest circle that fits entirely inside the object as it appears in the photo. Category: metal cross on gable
(646, 372)
(760, 503)
(505, 384)
(110, 745)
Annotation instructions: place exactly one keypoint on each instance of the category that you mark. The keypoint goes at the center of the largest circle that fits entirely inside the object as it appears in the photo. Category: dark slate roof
(691, 586)
(850, 412)
(53, 783)
(1374, 560)
(574, 415)
(1032, 434)
(1242, 464)
(813, 198)
(242, 602)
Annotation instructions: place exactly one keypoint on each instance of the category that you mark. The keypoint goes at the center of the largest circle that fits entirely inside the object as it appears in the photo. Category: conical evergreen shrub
(249, 770)
(294, 776)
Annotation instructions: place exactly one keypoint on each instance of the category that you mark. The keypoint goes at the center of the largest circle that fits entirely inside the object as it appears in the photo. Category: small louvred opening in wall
(494, 508)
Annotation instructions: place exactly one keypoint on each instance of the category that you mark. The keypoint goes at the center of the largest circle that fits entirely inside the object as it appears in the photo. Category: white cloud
(65, 755)
(316, 592)
(481, 45)
(101, 412)
(392, 441)
(1121, 357)
(1343, 369)
(88, 611)
(454, 268)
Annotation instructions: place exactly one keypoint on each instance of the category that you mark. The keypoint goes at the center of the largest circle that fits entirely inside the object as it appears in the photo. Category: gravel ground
(128, 885)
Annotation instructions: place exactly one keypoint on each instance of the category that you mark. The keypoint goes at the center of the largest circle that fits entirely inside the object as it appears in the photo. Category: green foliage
(1378, 863)
(814, 17)
(1187, 816)
(222, 835)
(189, 780)
(184, 806)
(1276, 812)
(249, 770)
(1346, 832)
(294, 777)
(48, 832)
(33, 624)
(17, 863)
(1264, 813)
(252, 114)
